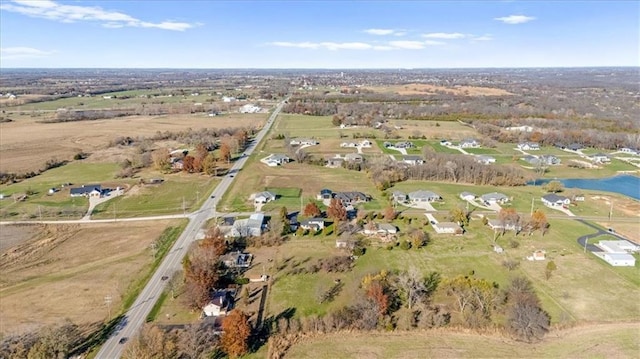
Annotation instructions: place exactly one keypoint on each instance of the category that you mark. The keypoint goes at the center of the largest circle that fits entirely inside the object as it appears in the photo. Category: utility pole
(531, 214)
(611, 211)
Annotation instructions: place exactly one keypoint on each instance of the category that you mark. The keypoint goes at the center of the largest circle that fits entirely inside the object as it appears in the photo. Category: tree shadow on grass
(262, 333)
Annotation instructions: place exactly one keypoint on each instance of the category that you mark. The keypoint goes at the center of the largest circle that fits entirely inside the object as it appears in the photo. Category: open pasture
(66, 271)
(25, 144)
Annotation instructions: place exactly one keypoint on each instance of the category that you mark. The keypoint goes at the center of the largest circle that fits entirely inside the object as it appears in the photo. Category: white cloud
(408, 45)
(434, 42)
(7, 53)
(385, 32)
(444, 35)
(482, 38)
(50, 10)
(515, 19)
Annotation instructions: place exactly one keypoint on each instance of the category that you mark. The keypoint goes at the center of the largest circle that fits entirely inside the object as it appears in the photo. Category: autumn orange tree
(336, 210)
(214, 240)
(389, 214)
(539, 220)
(225, 151)
(235, 334)
(311, 210)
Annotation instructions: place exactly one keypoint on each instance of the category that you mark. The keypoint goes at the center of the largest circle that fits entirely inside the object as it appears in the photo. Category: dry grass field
(26, 144)
(65, 271)
(425, 89)
(616, 340)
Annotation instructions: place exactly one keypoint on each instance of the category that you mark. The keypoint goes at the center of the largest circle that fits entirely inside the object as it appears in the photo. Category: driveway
(492, 206)
(93, 201)
(563, 210)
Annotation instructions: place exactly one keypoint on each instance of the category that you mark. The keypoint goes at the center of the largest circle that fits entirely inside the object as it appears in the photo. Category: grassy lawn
(76, 172)
(483, 151)
(166, 198)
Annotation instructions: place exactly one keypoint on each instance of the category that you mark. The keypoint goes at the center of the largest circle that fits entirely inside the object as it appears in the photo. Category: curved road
(584, 239)
(136, 316)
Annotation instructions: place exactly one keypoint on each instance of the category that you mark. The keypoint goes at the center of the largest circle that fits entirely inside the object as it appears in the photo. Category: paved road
(137, 314)
(584, 239)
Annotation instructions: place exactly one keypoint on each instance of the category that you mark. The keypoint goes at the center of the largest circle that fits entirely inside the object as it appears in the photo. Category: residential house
(365, 143)
(349, 144)
(469, 143)
(423, 196)
(600, 158)
(403, 144)
(236, 260)
(497, 224)
(264, 197)
(344, 243)
(351, 198)
(176, 163)
(335, 162)
(485, 159)
(468, 196)
(630, 151)
(303, 142)
(554, 200)
(550, 160)
(87, 190)
(529, 146)
(399, 196)
(381, 229)
(574, 147)
(353, 158)
(445, 143)
(447, 228)
(275, 160)
(325, 194)
(312, 224)
(228, 99)
(248, 227)
(494, 197)
(249, 108)
(220, 303)
(412, 160)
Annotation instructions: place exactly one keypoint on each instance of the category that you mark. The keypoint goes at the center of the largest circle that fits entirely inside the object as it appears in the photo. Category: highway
(136, 316)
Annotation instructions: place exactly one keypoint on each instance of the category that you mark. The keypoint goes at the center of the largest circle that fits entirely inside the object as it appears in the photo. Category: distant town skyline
(319, 34)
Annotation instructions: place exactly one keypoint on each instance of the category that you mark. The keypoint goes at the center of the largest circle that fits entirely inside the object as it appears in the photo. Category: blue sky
(318, 34)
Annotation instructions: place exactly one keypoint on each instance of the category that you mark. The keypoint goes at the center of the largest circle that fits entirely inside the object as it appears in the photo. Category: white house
(494, 197)
(600, 158)
(380, 229)
(423, 196)
(349, 144)
(619, 246)
(264, 197)
(529, 146)
(365, 143)
(248, 227)
(412, 160)
(275, 160)
(469, 143)
(467, 196)
(523, 128)
(538, 255)
(228, 99)
(629, 151)
(218, 305)
(303, 142)
(554, 200)
(618, 259)
(249, 108)
(485, 160)
(312, 224)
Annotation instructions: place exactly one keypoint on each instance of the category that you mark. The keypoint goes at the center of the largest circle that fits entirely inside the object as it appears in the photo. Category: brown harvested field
(65, 271)
(616, 340)
(425, 89)
(25, 144)
(445, 129)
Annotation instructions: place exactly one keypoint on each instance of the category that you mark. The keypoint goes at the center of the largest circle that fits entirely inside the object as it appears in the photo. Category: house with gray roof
(353, 157)
(469, 143)
(413, 160)
(399, 196)
(529, 146)
(494, 197)
(264, 197)
(351, 198)
(275, 160)
(554, 200)
(88, 190)
(248, 227)
(485, 159)
(423, 196)
(468, 196)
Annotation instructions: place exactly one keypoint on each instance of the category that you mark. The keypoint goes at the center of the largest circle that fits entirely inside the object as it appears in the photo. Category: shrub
(241, 280)
(405, 245)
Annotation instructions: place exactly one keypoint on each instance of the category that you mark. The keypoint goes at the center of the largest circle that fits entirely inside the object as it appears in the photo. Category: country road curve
(136, 316)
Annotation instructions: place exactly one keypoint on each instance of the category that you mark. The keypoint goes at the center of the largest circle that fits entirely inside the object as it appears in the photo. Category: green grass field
(177, 194)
